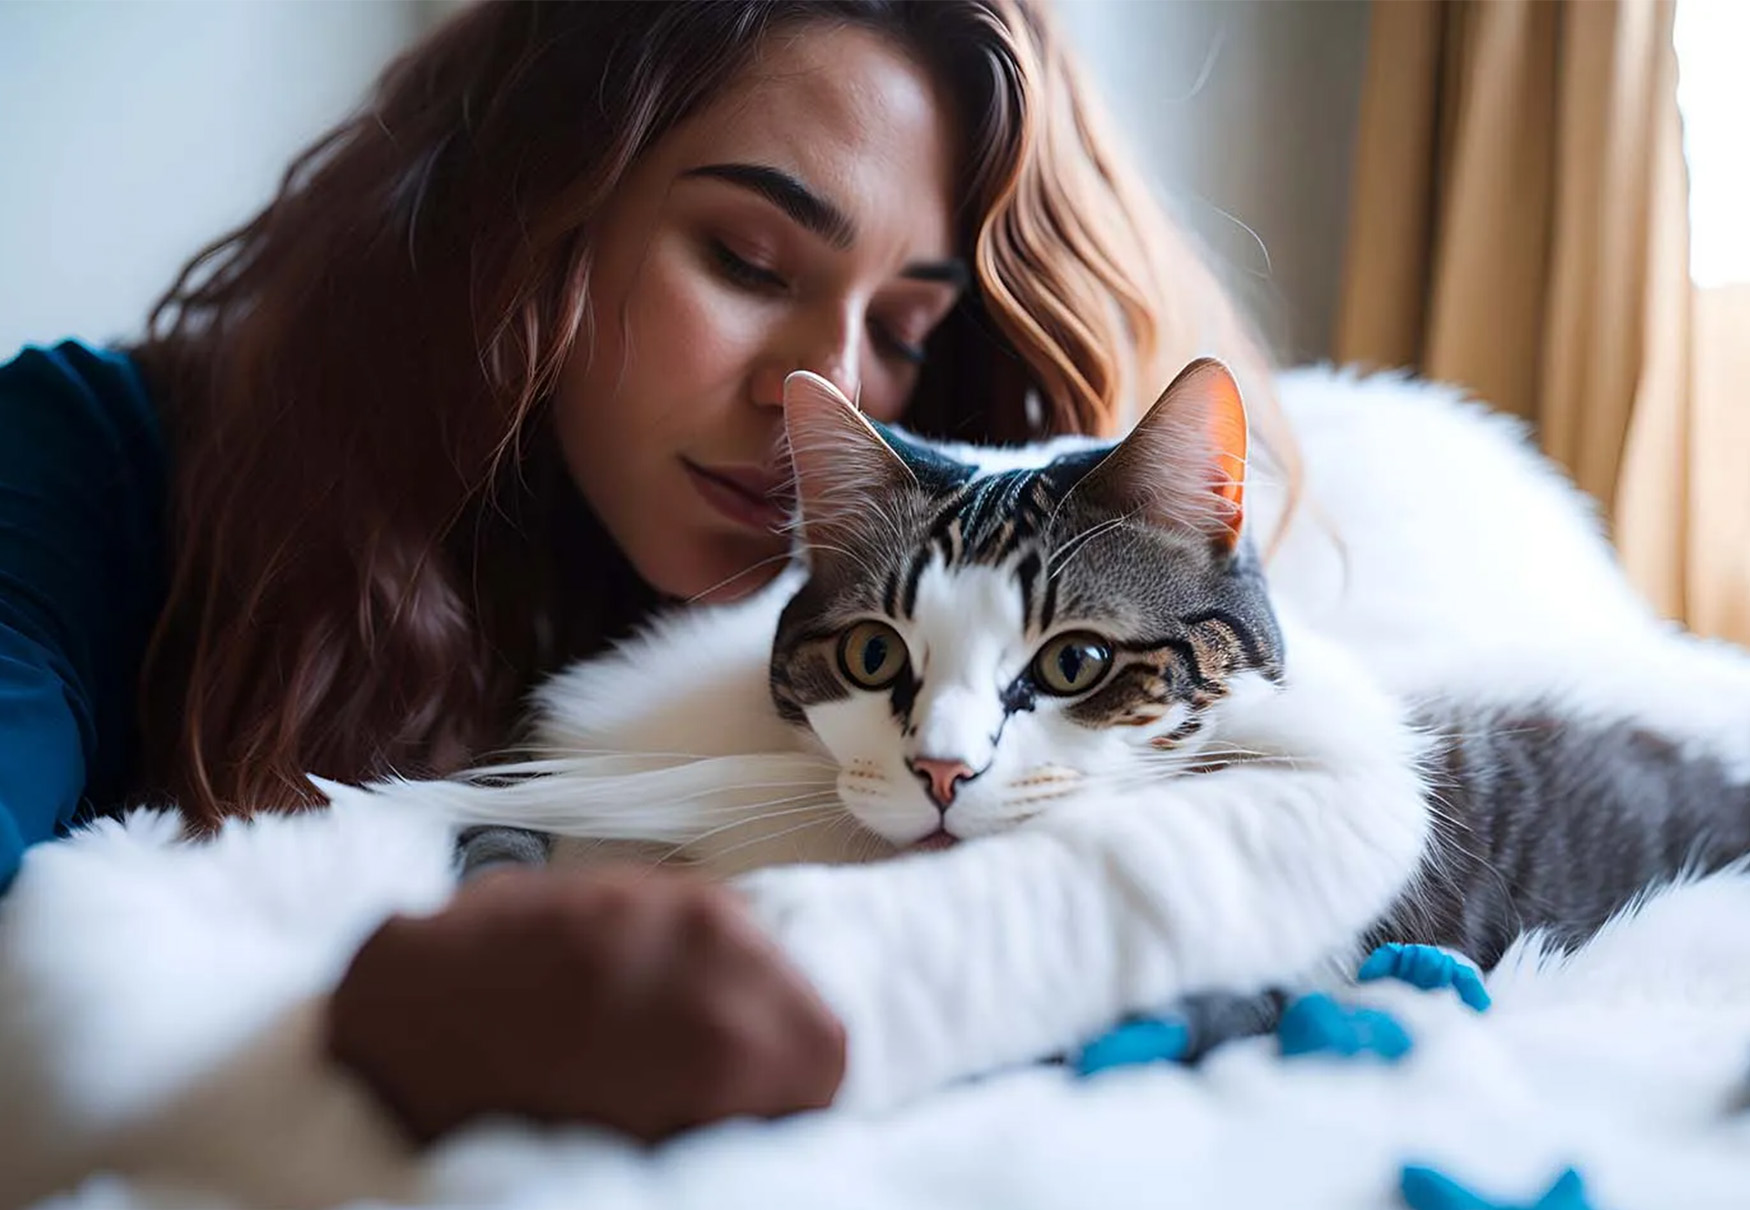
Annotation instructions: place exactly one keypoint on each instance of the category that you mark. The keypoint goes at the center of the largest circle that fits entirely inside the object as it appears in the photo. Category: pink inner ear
(1227, 439)
(1202, 409)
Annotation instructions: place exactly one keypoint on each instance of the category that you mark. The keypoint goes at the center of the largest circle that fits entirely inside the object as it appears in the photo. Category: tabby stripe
(1179, 647)
(953, 544)
(1042, 502)
(916, 573)
(1241, 632)
(784, 697)
(999, 544)
(949, 515)
(973, 508)
(1048, 607)
(903, 697)
(1016, 529)
(890, 595)
(1027, 572)
(1186, 729)
(990, 509)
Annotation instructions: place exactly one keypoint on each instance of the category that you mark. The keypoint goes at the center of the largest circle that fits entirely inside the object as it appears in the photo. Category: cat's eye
(1072, 663)
(872, 655)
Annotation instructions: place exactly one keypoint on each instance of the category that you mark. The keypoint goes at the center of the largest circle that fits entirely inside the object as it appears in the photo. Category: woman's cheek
(698, 334)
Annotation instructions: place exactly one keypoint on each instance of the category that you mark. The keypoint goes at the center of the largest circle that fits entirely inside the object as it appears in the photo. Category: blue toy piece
(1317, 1024)
(1426, 967)
(1314, 1024)
(1427, 1189)
(1191, 1028)
(1156, 1039)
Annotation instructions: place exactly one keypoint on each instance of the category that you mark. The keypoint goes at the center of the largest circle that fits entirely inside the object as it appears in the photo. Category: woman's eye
(1072, 663)
(904, 350)
(743, 272)
(872, 655)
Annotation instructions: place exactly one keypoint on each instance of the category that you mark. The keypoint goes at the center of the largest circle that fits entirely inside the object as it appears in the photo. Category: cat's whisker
(860, 843)
(770, 837)
(632, 805)
(867, 568)
(730, 579)
(571, 759)
(1064, 555)
(754, 813)
(823, 809)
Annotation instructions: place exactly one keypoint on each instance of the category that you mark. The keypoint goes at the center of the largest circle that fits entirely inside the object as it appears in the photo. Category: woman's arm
(82, 501)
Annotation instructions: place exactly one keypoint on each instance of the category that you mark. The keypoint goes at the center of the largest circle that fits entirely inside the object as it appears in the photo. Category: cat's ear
(839, 458)
(1184, 465)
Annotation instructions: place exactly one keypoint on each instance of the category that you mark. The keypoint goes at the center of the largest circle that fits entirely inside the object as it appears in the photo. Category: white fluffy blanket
(160, 1003)
(158, 1034)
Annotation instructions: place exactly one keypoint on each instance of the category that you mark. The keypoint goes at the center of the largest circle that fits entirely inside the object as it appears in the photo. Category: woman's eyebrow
(804, 206)
(952, 272)
(815, 213)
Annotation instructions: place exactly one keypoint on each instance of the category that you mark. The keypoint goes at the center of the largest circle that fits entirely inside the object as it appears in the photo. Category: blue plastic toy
(1152, 1040)
(1314, 1024)
(1426, 967)
(1317, 1024)
(1427, 1189)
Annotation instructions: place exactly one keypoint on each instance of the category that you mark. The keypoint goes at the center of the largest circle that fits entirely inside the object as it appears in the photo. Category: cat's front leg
(933, 961)
(1022, 946)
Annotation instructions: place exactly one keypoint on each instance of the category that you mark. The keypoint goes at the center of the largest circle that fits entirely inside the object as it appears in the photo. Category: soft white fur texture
(158, 1002)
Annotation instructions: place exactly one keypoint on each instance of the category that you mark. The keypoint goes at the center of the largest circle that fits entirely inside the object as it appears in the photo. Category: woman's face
(803, 220)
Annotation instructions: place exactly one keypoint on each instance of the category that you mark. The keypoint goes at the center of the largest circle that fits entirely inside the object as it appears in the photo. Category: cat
(1115, 767)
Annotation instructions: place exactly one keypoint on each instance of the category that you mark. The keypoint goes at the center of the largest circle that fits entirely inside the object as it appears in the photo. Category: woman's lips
(752, 498)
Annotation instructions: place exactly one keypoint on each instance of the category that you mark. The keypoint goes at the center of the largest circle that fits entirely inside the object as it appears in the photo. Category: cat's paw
(1427, 967)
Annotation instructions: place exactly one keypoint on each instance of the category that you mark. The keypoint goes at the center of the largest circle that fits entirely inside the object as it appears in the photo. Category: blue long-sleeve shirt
(83, 503)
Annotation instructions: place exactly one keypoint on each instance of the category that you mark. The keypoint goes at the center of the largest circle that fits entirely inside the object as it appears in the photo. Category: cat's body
(1443, 747)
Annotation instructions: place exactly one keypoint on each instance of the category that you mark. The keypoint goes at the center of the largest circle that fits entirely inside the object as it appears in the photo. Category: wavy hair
(375, 549)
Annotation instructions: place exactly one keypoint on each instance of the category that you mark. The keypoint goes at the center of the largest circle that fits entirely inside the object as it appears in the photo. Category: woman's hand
(643, 1000)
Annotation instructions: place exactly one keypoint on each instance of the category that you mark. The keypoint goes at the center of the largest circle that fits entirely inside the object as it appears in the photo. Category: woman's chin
(721, 579)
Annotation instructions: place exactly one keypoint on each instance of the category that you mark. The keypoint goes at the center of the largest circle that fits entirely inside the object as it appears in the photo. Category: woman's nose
(828, 349)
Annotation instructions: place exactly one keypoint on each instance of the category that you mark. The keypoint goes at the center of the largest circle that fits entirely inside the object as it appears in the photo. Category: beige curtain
(1519, 226)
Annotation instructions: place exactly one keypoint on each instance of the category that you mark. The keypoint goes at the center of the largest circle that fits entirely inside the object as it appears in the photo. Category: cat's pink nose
(940, 777)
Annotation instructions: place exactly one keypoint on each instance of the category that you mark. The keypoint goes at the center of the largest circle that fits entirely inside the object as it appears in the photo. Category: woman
(496, 374)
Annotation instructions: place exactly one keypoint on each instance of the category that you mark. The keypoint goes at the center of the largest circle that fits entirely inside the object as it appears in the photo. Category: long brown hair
(376, 550)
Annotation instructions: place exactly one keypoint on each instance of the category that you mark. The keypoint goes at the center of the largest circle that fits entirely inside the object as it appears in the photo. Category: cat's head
(975, 645)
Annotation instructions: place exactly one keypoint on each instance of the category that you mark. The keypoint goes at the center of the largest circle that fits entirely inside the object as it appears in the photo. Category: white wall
(1245, 113)
(131, 133)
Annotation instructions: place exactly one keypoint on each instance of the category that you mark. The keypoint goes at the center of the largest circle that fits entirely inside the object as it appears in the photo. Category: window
(1713, 91)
